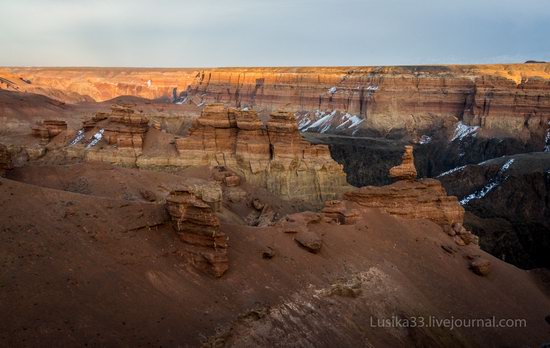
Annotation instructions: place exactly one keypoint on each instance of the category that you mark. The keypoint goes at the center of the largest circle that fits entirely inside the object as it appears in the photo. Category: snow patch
(425, 139)
(96, 138)
(149, 82)
(481, 193)
(506, 165)
(547, 140)
(78, 137)
(355, 121)
(462, 130)
(332, 90)
(181, 101)
(451, 171)
(343, 124)
(322, 121)
(303, 123)
(497, 180)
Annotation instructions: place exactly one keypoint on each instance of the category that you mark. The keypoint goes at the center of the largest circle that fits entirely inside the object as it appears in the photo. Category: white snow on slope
(96, 138)
(497, 180)
(451, 171)
(78, 137)
(425, 139)
(355, 121)
(304, 122)
(481, 193)
(332, 90)
(462, 131)
(506, 165)
(343, 124)
(324, 121)
(547, 140)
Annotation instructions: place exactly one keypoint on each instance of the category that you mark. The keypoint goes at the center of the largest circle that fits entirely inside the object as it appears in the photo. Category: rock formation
(461, 236)
(126, 129)
(309, 240)
(48, 129)
(406, 170)
(496, 97)
(205, 246)
(480, 266)
(275, 157)
(421, 199)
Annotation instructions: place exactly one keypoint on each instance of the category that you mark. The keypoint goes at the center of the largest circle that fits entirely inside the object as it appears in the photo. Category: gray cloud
(181, 33)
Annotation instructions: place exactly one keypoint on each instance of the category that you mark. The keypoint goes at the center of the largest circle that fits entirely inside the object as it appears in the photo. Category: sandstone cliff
(423, 199)
(205, 246)
(513, 98)
(410, 198)
(272, 156)
(275, 157)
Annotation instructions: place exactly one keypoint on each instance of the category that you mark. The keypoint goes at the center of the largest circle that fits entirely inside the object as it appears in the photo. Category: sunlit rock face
(204, 245)
(275, 156)
(410, 198)
(511, 98)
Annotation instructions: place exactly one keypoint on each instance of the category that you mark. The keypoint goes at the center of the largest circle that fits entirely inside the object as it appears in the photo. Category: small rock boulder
(480, 266)
(309, 240)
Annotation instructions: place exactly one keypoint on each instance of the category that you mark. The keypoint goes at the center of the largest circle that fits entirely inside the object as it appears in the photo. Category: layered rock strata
(48, 129)
(421, 199)
(126, 129)
(275, 157)
(406, 170)
(514, 98)
(198, 227)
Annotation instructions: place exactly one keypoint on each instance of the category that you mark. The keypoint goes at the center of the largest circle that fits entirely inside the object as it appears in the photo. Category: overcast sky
(205, 33)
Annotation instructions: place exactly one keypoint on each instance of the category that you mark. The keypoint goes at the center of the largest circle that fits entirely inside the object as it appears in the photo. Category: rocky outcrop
(406, 170)
(5, 159)
(461, 236)
(205, 246)
(275, 156)
(309, 240)
(422, 199)
(513, 98)
(48, 129)
(480, 266)
(126, 129)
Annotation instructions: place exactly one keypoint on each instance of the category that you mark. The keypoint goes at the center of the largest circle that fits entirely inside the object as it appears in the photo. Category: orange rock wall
(514, 98)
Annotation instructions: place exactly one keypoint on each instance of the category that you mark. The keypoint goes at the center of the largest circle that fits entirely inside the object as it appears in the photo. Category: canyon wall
(511, 98)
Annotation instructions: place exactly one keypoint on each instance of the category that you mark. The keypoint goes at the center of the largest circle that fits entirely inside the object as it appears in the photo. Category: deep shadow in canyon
(512, 220)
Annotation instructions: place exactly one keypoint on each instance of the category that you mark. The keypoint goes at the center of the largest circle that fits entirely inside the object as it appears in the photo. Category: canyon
(255, 199)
